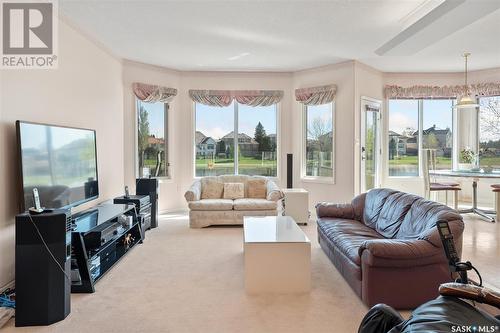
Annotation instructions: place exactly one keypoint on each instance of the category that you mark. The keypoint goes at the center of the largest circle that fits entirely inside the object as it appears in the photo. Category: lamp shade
(466, 102)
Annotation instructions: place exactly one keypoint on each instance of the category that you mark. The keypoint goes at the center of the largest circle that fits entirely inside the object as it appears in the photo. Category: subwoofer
(43, 282)
(149, 186)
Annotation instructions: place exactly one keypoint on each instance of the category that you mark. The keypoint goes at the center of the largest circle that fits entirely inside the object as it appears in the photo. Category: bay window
(318, 161)
(152, 136)
(416, 124)
(218, 151)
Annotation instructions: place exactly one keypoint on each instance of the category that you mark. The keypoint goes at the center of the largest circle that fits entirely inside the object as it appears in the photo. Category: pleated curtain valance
(437, 92)
(152, 93)
(226, 97)
(316, 95)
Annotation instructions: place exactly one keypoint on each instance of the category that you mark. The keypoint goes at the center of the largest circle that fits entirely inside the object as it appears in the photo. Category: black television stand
(92, 258)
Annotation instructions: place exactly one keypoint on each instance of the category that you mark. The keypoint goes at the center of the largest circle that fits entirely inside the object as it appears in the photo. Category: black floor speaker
(289, 170)
(42, 288)
(149, 186)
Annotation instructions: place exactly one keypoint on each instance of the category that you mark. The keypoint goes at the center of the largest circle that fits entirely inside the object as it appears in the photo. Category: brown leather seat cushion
(347, 235)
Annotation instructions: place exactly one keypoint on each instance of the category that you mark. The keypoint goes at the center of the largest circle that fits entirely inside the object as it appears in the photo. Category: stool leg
(455, 200)
(497, 206)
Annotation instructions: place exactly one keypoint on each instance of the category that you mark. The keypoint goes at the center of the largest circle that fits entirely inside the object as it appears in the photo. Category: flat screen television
(61, 162)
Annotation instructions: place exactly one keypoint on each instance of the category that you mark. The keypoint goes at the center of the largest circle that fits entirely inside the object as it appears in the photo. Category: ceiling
(257, 35)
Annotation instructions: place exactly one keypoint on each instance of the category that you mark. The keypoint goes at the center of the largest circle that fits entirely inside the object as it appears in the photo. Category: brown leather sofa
(387, 247)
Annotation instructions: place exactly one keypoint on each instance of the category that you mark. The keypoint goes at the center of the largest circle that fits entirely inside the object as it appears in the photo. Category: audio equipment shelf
(100, 240)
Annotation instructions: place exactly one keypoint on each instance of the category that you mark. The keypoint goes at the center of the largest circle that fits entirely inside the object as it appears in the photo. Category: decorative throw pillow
(257, 188)
(234, 190)
(211, 188)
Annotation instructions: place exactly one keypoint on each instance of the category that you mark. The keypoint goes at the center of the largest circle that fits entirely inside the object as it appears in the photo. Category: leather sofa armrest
(274, 193)
(327, 209)
(400, 253)
(194, 192)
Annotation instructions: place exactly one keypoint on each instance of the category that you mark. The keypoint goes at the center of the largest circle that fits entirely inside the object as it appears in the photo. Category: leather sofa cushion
(211, 204)
(374, 202)
(393, 212)
(347, 236)
(254, 204)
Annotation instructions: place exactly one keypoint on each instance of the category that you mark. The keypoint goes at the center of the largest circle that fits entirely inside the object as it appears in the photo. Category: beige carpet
(191, 280)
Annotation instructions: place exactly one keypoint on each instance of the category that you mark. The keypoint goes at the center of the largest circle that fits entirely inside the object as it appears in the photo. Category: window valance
(152, 93)
(316, 95)
(226, 97)
(416, 92)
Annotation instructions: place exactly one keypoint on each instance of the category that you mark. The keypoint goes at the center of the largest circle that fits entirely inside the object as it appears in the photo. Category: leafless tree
(319, 131)
(490, 118)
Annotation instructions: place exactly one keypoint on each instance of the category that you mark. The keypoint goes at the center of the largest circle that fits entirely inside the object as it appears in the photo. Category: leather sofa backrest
(393, 213)
(374, 202)
(400, 215)
(422, 217)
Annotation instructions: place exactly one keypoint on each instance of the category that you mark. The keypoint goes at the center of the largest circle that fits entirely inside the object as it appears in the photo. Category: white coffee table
(277, 255)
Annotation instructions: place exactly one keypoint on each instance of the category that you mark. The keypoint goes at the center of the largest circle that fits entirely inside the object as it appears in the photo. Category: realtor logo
(29, 31)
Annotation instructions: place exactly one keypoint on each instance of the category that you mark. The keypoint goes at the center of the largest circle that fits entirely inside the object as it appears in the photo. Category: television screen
(61, 162)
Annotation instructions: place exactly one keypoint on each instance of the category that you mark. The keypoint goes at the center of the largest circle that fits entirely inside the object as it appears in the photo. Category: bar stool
(429, 163)
(496, 189)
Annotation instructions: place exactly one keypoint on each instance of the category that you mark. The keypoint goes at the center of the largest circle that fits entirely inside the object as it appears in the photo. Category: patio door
(370, 143)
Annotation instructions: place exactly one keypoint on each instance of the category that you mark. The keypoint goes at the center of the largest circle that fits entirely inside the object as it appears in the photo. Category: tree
(431, 141)
(319, 132)
(392, 149)
(221, 147)
(143, 134)
(261, 137)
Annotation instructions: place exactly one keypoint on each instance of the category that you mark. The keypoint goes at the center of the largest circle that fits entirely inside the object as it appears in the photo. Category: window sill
(319, 180)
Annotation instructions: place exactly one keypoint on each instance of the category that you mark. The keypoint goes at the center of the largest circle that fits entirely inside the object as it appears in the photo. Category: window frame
(235, 140)
(420, 121)
(303, 163)
(167, 130)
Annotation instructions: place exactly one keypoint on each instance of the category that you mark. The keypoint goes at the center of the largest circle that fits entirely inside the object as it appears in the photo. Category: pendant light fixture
(466, 101)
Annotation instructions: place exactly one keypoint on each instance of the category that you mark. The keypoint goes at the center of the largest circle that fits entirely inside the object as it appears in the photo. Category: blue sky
(219, 121)
(404, 113)
(156, 117)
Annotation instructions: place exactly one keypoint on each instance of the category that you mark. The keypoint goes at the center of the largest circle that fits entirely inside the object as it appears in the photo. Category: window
(318, 150)
(405, 131)
(489, 132)
(403, 137)
(437, 132)
(215, 140)
(152, 147)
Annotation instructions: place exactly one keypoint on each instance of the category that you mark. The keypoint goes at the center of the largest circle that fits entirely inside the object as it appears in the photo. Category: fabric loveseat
(207, 205)
(387, 247)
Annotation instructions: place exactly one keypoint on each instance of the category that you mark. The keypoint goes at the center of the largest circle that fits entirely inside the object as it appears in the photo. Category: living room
(330, 100)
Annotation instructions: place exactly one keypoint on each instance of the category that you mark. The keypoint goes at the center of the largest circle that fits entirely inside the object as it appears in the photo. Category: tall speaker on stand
(43, 267)
(149, 186)
(289, 170)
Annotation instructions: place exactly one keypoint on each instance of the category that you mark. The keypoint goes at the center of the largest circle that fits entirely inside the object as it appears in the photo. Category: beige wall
(343, 76)
(85, 91)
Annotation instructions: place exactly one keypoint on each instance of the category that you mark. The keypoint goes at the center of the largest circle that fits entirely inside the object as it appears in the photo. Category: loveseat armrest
(274, 193)
(400, 253)
(194, 192)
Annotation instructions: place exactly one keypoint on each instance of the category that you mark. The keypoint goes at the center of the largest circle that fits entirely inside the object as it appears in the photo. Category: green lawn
(246, 166)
